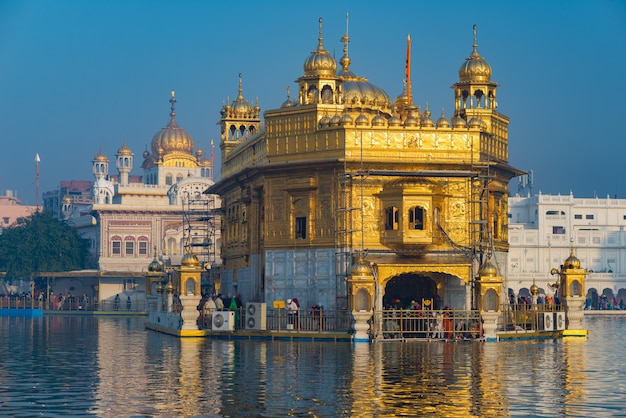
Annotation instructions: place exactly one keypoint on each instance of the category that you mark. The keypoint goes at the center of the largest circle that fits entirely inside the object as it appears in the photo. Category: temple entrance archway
(404, 288)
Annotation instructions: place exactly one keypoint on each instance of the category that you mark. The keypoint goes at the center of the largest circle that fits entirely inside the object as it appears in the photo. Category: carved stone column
(490, 325)
(190, 312)
(575, 312)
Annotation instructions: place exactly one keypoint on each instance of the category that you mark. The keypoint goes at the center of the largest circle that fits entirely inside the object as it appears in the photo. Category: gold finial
(288, 93)
(320, 46)
(345, 60)
(240, 96)
(173, 101)
(475, 44)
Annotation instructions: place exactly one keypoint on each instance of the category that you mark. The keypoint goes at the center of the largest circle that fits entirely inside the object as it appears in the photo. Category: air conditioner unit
(256, 316)
(559, 321)
(545, 321)
(223, 321)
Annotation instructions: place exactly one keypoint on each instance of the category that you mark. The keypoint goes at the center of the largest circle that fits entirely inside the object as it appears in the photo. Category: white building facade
(543, 230)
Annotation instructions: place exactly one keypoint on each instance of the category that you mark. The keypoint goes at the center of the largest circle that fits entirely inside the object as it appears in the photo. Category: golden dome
(67, 199)
(534, 289)
(155, 266)
(475, 123)
(324, 121)
(288, 102)
(360, 268)
(172, 138)
(320, 62)
(571, 262)
(361, 120)
(458, 122)
(100, 157)
(426, 120)
(124, 150)
(475, 68)
(443, 122)
(411, 122)
(379, 120)
(335, 120)
(487, 270)
(394, 121)
(189, 260)
(346, 119)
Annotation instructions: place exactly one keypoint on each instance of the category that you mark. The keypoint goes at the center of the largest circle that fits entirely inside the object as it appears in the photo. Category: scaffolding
(200, 224)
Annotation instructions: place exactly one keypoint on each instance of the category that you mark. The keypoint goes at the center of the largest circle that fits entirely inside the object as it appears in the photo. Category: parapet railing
(409, 323)
(71, 303)
(280, 320)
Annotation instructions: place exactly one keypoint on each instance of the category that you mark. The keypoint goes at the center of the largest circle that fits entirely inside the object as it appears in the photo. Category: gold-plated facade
(345, 170)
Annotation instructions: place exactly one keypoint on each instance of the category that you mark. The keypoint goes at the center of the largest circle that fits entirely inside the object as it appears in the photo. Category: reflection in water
(114, 367)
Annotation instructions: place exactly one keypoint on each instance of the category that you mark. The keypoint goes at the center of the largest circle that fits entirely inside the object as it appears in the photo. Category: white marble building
(543, 229)
(134, 217)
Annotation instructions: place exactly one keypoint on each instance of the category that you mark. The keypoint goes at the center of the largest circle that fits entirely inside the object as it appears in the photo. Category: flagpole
(37, 159)
(407, 72)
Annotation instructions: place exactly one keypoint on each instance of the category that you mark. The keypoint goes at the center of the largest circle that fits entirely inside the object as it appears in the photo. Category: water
(113, 367)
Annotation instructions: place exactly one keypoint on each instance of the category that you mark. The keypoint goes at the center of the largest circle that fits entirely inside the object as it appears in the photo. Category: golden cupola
(100, 157)
(475, 68)
(172, 138)
(320, 63)
(572, 262)
(240, 108)
(124, 150)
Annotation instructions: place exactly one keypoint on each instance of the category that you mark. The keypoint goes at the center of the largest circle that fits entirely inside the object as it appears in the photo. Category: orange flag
(407, 70)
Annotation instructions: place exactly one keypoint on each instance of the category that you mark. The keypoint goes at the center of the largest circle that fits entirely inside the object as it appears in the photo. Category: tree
(41, 244)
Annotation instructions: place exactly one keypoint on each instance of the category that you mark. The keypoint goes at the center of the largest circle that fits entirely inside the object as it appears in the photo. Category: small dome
(410, 122)
(361, 120)
(189, 260)
(335, 120)
(67, 199)
(427, 122)
(475, 68)
(458, 122)
(324, 121)
(571, 262)
(320, 62)
(155, 266)
(100, 157)
(124, 150)
(475, 123)
(534, 289)
(360, 268)
(346, 120)
(379, 120)
(240, 108)
(394, 121)
(287, 103)
(443, 122)
(487, 270)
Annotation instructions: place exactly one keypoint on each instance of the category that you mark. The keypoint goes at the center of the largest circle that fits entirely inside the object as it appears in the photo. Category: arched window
(391, 218)
(416, 218)
(327, 95)
(491, 300)
(168, 179)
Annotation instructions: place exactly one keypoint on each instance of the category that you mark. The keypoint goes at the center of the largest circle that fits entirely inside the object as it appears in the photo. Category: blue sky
(77, 76)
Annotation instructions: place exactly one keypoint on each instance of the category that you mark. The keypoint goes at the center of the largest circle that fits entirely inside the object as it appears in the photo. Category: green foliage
(41, 244)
